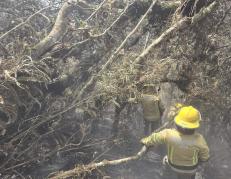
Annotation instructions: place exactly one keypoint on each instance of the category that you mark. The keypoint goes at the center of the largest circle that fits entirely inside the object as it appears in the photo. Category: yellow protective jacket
(183, 150)
(152, 108)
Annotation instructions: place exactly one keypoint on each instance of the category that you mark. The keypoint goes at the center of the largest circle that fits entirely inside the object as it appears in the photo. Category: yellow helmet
(188, 117)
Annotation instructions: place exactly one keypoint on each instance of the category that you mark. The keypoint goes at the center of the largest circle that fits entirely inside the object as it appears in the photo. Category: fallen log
(82, 169)
(78, 171)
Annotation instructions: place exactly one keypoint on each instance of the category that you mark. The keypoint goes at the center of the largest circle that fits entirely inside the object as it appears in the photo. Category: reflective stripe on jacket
(183, 150)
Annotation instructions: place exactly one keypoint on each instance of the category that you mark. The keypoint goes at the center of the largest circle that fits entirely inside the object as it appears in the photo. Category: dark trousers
(150, 126)
(168, 173)
(185, 176)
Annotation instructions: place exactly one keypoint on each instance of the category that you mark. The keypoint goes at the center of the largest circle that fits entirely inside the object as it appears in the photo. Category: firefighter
(186, 148)
(152, 108)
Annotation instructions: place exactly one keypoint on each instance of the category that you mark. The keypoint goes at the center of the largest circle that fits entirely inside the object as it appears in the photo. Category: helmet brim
(185, 124)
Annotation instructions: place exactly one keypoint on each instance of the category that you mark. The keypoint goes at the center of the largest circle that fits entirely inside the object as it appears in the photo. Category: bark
(59, 28)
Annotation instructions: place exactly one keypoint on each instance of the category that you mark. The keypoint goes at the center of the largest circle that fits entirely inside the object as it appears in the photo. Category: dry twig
(25, 22)
(181, 24)
(79, 170)
(113, 56)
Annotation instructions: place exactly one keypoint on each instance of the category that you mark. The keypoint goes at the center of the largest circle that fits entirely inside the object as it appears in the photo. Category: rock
(169, 95)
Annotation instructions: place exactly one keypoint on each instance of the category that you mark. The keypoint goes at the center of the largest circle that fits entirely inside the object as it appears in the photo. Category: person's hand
(132, 100)
(144, 141)
(2, 132)
(142, 79)
(142, 151)
(1, 100)
(165, 160)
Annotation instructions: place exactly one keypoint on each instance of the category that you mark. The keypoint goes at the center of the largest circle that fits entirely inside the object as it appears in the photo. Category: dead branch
(102, 3)
(175, 27)
(88, 168)
(171, 5)
(23, 23)
(181, 24)
(77, 171)
(114, 22)
(113, 56)
(204, 12)
(92, 37)
(162, 5)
